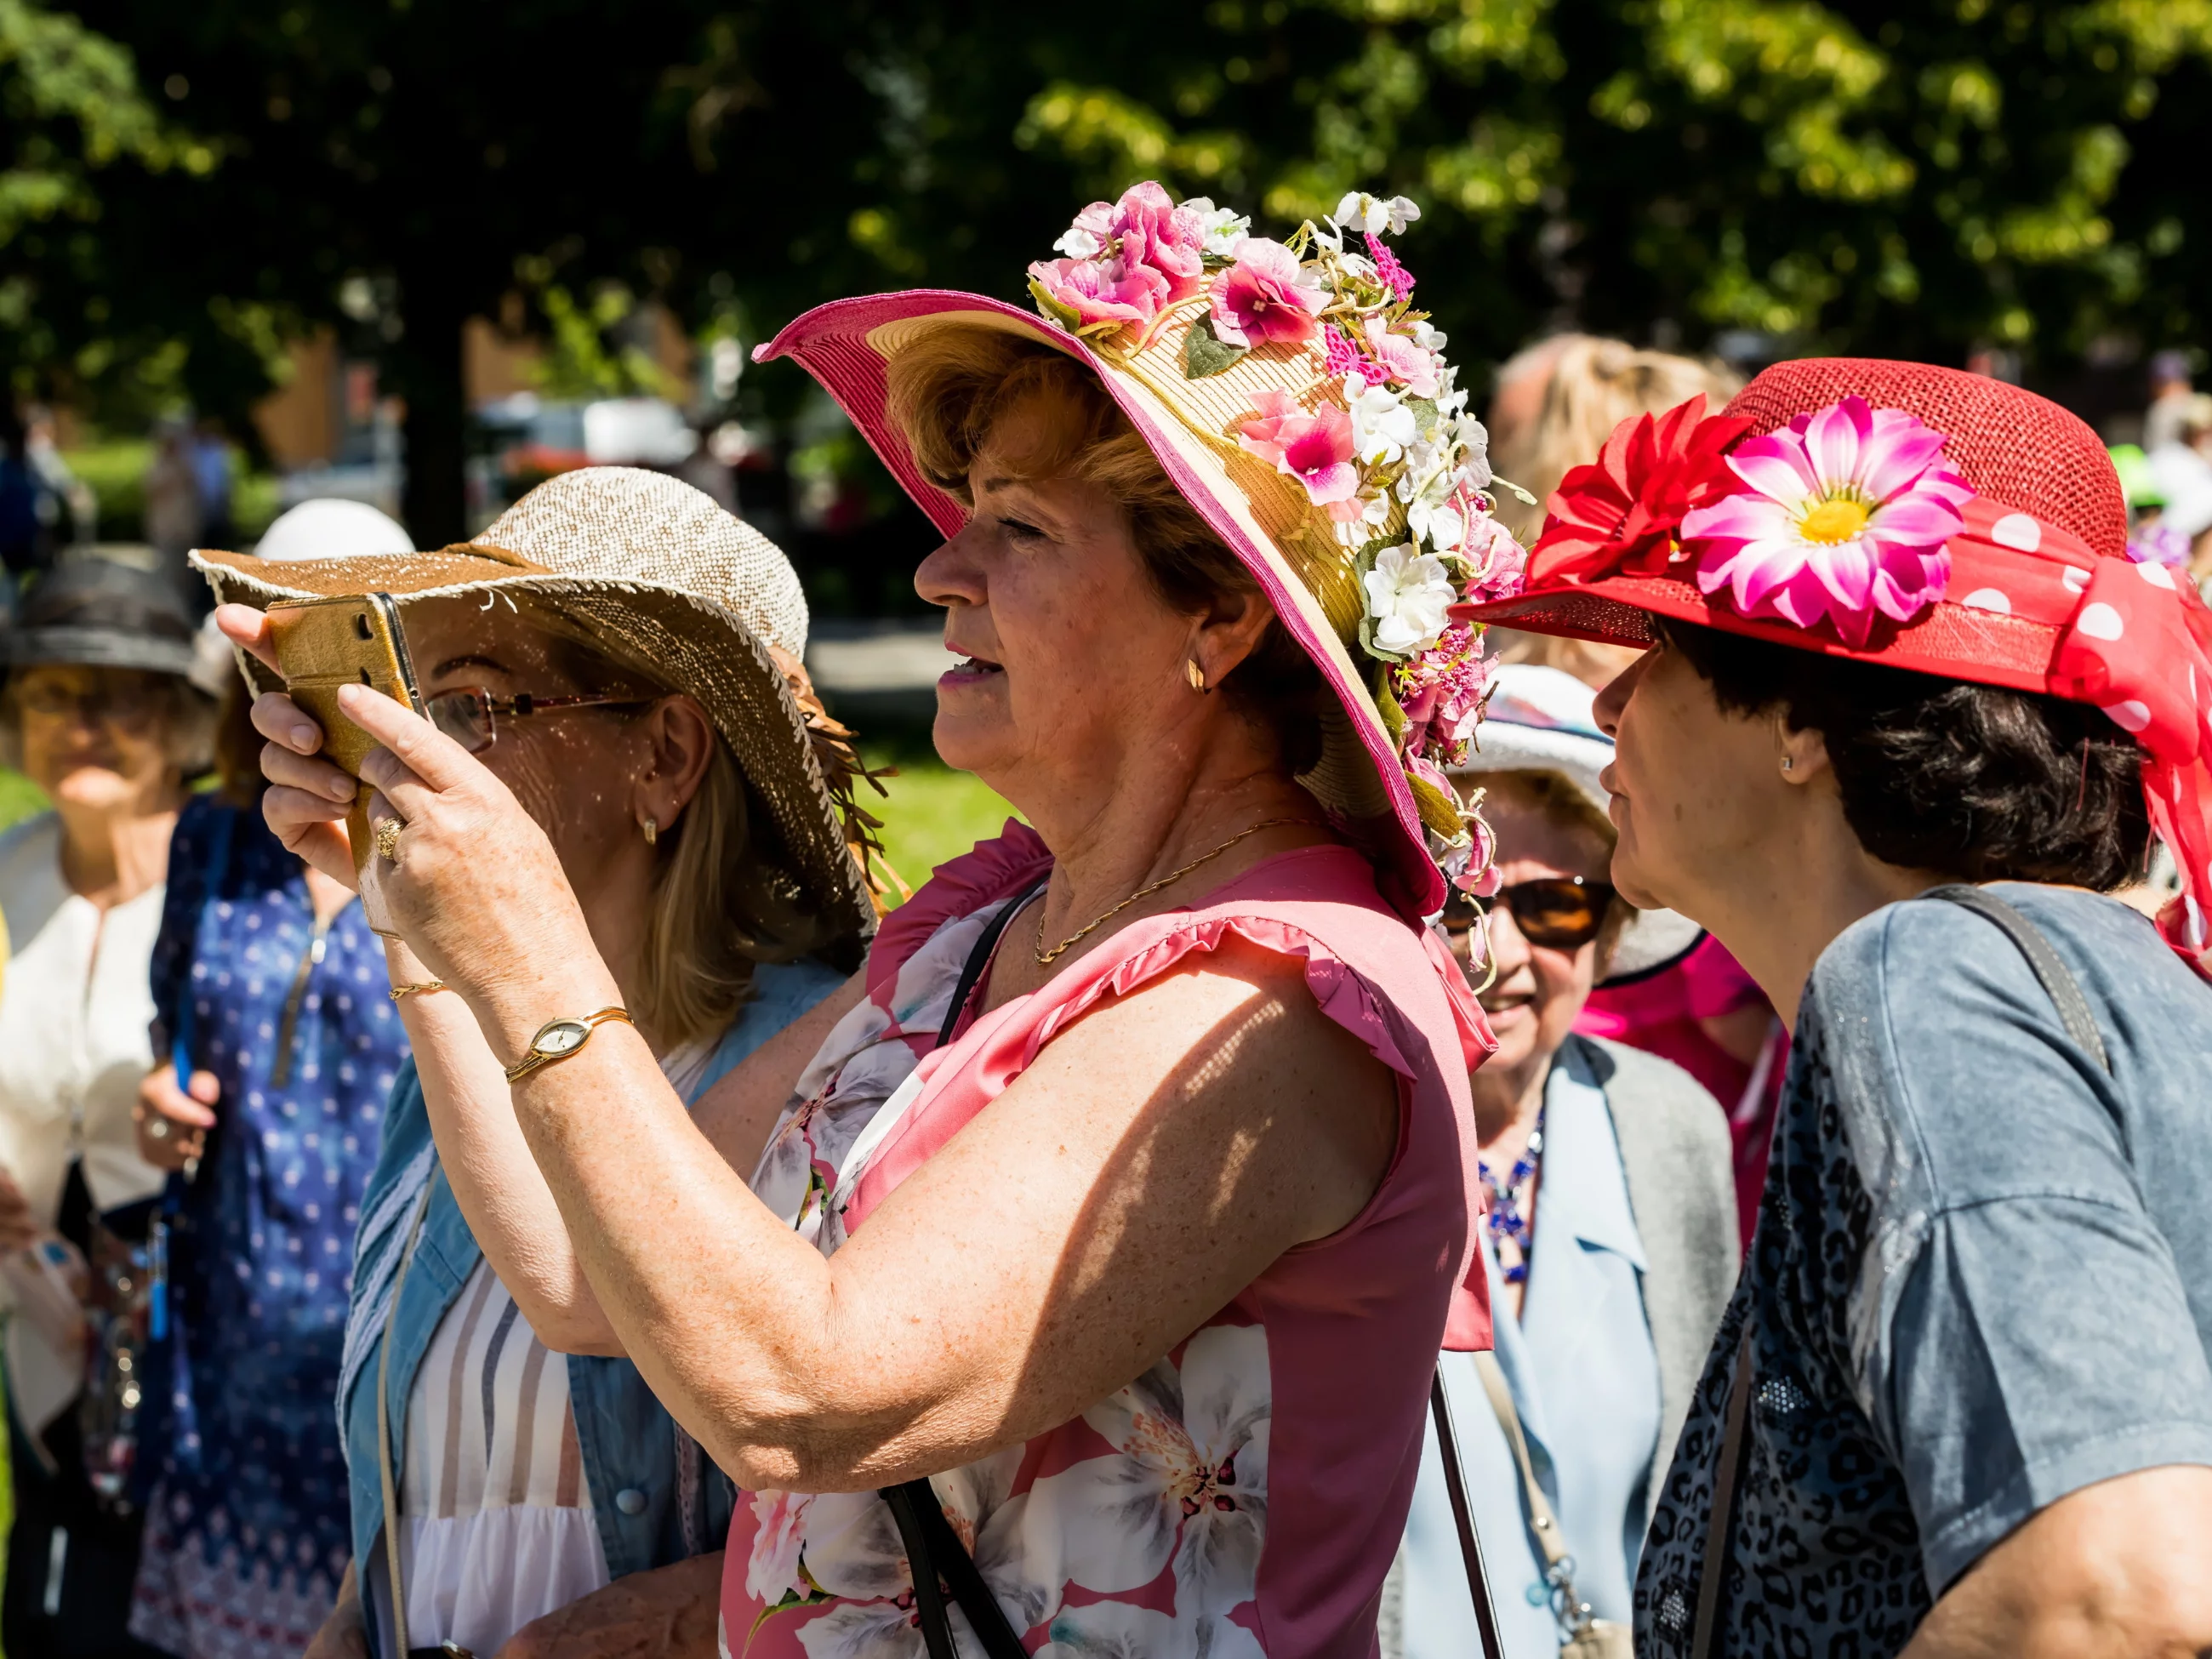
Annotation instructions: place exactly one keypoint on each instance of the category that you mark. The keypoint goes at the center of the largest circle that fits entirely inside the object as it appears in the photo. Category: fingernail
(340, 788)
(303, 737)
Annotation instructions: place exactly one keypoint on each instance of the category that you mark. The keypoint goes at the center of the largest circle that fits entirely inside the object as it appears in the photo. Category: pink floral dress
(1244, 1495)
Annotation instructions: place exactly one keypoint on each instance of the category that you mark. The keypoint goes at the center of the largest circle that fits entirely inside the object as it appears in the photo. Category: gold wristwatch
(557, 1039)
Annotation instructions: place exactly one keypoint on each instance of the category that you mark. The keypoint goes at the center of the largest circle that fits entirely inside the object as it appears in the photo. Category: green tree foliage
(74, 127)
(1918, 178)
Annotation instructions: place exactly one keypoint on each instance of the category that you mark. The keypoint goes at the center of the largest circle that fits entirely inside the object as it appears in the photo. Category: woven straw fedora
(666, 580)
(1193, 421)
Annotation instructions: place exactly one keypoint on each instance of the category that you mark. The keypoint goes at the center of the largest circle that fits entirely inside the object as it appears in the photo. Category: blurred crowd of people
(188, 491)
(302, 1357)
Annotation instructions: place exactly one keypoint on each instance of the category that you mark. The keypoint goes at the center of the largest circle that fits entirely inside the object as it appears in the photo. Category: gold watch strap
(557, 1039)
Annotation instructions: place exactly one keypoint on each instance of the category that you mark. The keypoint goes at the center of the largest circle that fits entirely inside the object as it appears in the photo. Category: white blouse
(497, 1528)
(495, 1510)
(74, 1047)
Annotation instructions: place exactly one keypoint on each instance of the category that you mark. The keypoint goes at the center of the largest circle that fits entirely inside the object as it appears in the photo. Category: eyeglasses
(1556, 913)
(469, 715)
(127, 707)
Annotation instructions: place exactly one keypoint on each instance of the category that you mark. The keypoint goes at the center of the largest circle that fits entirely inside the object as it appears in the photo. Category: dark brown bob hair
(1976, 783)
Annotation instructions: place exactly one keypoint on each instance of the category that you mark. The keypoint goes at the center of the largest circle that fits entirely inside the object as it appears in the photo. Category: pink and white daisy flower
(1844, 514)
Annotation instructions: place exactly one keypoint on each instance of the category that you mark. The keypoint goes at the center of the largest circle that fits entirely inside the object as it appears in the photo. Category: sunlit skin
(1537, 991)
(944, 1329)
(1713, 824)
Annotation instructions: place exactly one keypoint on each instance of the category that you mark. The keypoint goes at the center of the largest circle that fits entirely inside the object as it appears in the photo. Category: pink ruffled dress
(1244, 1495)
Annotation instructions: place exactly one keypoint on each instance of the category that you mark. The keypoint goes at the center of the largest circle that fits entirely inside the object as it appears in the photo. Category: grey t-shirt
(1982, 1277)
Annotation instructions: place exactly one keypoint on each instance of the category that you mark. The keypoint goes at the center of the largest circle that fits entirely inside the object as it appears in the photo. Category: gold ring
(387, 839)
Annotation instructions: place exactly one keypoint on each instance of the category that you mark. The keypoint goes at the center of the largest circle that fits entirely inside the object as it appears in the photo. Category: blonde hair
(1595, 383)
(726, 897)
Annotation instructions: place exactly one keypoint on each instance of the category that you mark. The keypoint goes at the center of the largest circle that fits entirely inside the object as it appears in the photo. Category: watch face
(562, 1036)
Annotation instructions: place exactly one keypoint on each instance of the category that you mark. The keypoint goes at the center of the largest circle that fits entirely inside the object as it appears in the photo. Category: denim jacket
(627, 1441)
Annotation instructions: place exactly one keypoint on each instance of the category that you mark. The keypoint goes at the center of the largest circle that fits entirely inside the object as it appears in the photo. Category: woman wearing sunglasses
(623, 654)
(1611, 1238)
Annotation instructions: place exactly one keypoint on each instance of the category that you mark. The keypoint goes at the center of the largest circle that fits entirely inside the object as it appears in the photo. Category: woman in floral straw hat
(1100, 1257)
(1910, 710)
(621, 655)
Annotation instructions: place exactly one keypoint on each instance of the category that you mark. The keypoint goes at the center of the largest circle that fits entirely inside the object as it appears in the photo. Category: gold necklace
(1045, 959)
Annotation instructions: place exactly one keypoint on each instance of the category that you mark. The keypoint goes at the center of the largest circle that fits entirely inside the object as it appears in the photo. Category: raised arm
(1158, 1155)
(497, 1182)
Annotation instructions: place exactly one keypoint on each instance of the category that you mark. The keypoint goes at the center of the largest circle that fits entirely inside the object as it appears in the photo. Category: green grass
(19, 797)
(934, 813)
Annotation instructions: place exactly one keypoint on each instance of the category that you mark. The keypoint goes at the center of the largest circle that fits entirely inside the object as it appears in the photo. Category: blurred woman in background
(99, 714)
(269, 996)
(1554, 404)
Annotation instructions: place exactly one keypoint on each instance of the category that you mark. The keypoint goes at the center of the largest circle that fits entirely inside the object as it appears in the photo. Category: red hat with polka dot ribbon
(1906, 514)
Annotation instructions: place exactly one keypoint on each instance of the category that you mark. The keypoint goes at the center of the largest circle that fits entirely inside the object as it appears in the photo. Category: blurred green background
(933, 813)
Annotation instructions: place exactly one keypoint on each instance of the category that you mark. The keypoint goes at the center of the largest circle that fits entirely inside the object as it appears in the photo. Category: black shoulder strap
(2050, 968)
(979, 958)
(1470, 1542)
(934, 1552)
(1704, 1639)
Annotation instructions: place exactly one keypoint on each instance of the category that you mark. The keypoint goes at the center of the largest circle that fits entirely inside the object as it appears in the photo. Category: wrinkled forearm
(501, 1193)
(719, 1304)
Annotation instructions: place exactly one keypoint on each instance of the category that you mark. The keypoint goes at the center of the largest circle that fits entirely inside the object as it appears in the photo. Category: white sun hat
(1539, 720)
(328, 527)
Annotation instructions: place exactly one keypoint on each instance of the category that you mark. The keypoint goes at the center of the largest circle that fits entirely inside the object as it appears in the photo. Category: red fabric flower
(1622, 511)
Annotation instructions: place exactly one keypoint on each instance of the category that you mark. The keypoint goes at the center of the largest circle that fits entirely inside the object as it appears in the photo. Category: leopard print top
(1825, 1556)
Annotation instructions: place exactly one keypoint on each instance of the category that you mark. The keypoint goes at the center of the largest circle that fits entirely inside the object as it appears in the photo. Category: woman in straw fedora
(1100, 1256)
(621, 655)
(1911, 710)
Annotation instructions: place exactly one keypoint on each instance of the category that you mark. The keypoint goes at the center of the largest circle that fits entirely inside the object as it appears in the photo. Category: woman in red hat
(1961, 1402)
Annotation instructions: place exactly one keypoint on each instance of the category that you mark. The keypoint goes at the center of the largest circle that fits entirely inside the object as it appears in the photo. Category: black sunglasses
(1558, 912)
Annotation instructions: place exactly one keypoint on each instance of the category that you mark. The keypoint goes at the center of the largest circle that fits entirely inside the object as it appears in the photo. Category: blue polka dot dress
(246, 1535)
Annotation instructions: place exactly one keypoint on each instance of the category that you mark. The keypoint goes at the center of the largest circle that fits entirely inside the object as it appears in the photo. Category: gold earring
(651, 832)
(1195, 675)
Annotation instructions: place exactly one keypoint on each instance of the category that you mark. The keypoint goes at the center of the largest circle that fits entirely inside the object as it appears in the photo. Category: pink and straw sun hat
(1303, 407)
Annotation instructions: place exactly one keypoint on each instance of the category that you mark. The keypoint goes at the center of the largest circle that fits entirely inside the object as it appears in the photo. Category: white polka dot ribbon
(2138, 645)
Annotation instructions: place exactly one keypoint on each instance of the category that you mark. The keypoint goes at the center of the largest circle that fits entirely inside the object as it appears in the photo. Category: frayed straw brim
(695, 643)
